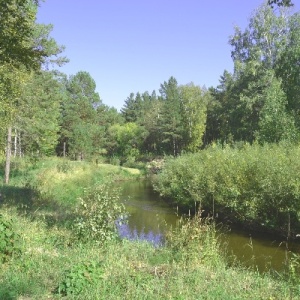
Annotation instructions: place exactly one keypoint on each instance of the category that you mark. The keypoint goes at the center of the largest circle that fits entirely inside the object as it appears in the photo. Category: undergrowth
(53, 263)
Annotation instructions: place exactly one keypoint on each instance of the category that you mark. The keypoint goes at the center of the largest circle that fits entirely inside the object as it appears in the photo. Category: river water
(150, 216)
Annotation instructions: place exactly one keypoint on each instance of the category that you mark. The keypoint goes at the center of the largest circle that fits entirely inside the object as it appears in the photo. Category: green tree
(219, 106)
(275, 124)
(127, 138)
(79, 116)
(20, 51)
(194, 106)
(171, 120)
(288, 68)
(37, 121)
(128, 110)
(256, 53)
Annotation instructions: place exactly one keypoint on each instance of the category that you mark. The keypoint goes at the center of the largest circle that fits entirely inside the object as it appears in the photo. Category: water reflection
(150, 216)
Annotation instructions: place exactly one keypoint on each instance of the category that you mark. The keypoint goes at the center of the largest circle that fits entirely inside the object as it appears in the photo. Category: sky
(130, 46)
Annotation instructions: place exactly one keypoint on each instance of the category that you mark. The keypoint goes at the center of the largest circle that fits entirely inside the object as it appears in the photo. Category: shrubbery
(255, 185)
(100, 209)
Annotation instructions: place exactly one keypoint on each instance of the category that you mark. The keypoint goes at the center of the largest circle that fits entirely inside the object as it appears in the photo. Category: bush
(100, 209)
(255, 185)
(194, 240)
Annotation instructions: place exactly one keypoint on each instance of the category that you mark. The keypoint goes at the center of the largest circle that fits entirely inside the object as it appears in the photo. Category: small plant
(80, 277)
(64, 166)
(8, 240)
(193, 239)
(294, 271)
(100, 210)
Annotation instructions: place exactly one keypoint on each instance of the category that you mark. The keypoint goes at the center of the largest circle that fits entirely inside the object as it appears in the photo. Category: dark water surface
(150, 216)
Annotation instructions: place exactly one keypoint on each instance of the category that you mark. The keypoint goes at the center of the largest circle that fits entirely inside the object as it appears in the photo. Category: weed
(98, 213)
(80, 277)
(9, 240)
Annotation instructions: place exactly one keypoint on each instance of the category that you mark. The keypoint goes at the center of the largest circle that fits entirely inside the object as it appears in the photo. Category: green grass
(190, 266)
(130, 270)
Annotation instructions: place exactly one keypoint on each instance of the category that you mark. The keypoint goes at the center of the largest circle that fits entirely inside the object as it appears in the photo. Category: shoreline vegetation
(254, 186)
(57, 222)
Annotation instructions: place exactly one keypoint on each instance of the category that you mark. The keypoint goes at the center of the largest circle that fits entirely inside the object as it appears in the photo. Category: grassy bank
(47, 259)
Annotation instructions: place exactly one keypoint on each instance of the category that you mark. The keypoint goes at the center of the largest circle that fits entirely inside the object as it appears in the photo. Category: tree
(171, 122)
(263, 40)
(79, 115)
(275, 123)
(128, 110)
(37, 121)
(286, 3)
(258, 51)
(17, 54)
(288, 68)
(194, 106)
(132, 109)
(127, 138)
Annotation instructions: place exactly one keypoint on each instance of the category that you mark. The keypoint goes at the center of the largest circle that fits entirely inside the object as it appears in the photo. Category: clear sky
(135, 45)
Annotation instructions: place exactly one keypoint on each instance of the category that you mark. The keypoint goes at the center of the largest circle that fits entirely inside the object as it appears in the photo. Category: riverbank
(48, 260)
(256, 187)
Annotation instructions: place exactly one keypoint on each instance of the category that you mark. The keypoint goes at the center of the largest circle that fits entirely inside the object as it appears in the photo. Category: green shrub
(79, 278)
(255, 185)
(9, 240)
(100, 209)
(194, 240)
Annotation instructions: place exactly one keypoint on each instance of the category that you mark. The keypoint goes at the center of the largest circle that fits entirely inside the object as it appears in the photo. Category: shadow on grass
(30, 203)
(7, 294)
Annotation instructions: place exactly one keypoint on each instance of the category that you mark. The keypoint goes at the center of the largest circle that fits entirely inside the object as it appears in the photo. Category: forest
(45, 112)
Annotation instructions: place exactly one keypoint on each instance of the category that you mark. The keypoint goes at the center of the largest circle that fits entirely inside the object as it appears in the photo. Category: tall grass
(54, 264)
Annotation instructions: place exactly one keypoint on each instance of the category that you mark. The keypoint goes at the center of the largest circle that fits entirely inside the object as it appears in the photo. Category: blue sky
(135, 45)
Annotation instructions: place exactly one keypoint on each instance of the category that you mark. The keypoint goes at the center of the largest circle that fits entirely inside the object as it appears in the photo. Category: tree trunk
(15, 143)
(8, 156)
(64, 150)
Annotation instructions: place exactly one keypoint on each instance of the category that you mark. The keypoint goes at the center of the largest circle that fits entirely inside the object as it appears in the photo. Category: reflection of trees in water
(125, 231)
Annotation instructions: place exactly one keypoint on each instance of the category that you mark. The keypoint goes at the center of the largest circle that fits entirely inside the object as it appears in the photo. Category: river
(150, 216)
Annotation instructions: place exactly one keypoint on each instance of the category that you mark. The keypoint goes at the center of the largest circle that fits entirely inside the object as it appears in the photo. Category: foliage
(98, 214)
(79, 116)
(16, 31)
(293, 272)
(275, 123)
(253, 185)
(280, 2)
(259, 100)
(37, 123)
(194, 240)
(128, 139)
(194, 106)
(80, 277)
(9, 240)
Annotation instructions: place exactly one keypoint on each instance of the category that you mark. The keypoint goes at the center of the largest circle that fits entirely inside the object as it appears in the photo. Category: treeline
(50, 113)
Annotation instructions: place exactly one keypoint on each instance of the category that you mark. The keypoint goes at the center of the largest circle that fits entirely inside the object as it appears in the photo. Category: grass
(130, 270)
(190, 266)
